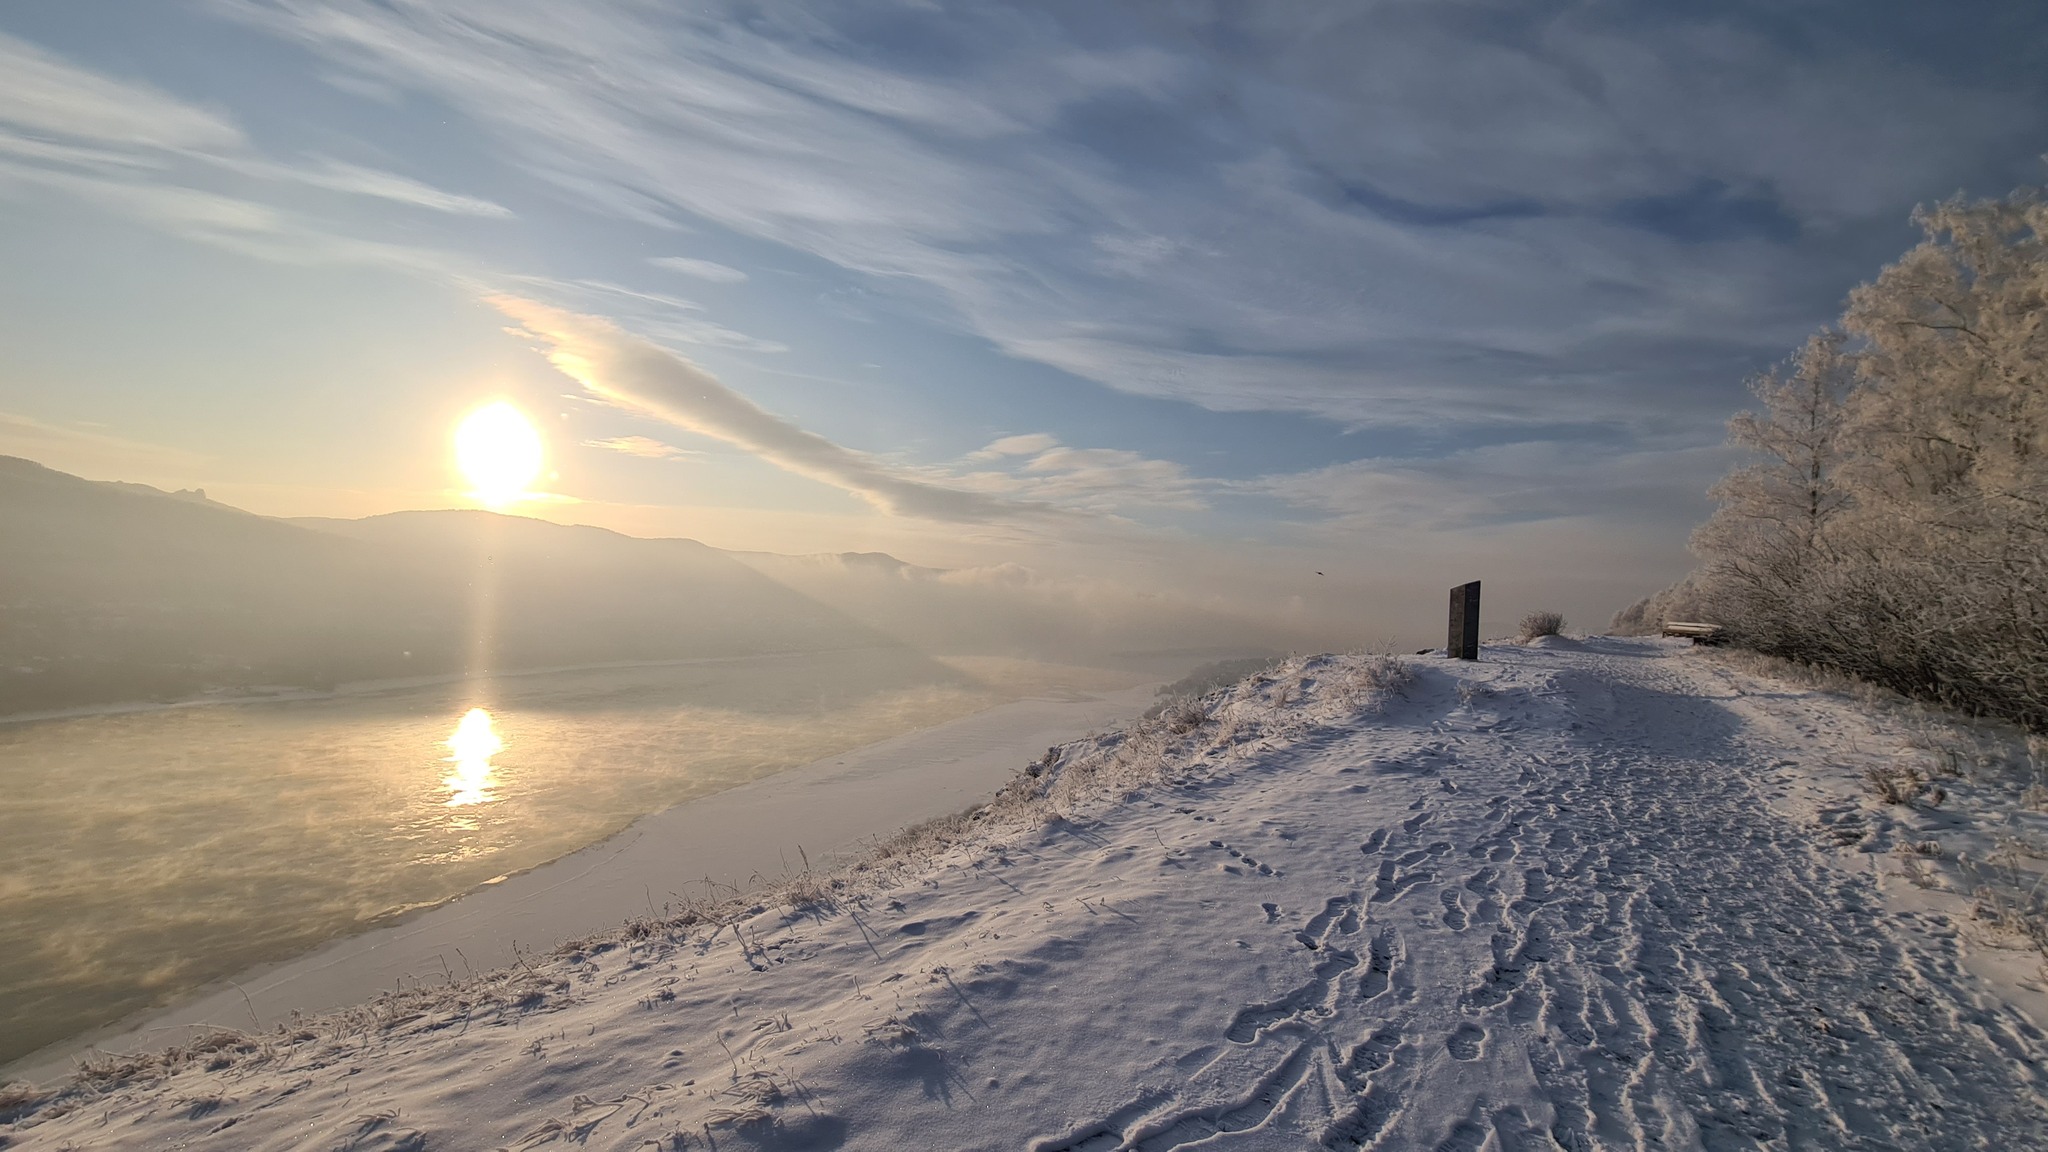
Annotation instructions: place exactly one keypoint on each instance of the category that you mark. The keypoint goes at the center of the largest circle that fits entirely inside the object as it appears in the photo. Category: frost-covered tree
(1956, 337)
(1893, 520)
(1949, 455)
(1768, 542)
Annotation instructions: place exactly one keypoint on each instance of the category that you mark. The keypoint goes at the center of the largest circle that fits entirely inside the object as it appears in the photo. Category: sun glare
(499, 453)
(472, 746)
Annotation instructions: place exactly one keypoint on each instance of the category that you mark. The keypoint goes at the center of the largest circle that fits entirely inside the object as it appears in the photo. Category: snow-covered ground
(1579, 895)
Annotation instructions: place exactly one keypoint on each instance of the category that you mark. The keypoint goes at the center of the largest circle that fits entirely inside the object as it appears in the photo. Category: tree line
(1892, 520)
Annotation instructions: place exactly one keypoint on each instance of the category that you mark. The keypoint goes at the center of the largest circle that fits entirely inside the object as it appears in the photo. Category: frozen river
(145, 854)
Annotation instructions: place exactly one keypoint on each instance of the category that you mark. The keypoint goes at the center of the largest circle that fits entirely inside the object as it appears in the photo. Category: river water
(143, 855)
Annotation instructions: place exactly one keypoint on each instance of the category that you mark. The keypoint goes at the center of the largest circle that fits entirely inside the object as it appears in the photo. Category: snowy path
(1553, 900)
(1592, 913)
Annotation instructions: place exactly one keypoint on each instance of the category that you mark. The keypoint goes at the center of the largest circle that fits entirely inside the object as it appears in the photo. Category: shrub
(1185, 718)
(1542, 623)
(1903, 784)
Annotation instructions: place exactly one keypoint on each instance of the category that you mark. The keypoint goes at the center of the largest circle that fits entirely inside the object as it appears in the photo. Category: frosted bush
(1542, 623)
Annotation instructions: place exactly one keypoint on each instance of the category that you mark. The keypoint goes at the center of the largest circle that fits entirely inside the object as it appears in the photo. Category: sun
(499, 453)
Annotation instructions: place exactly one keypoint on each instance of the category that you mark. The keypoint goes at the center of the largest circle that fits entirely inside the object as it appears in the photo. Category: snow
(1579, 896)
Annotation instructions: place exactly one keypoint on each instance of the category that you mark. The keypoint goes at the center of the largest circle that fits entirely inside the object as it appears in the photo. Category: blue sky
(1201, 297)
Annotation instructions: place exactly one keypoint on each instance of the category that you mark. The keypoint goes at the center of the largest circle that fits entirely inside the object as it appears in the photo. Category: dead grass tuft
(2022, 914)
(1903, 784)
(1543, 622)
(805, 892)
(1182, 719)
(1381, 674)
(19, 1098)
(754, 1101)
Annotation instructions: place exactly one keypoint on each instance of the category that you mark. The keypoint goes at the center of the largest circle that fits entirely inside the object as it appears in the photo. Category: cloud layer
(1386, 214)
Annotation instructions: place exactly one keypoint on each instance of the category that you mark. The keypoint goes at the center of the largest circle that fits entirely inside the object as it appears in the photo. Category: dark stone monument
(1464, 643)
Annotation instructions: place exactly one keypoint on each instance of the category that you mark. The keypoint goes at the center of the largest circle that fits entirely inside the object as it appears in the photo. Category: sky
(1307, 310)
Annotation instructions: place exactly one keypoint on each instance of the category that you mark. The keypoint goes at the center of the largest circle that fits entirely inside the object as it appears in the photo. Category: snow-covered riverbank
(1616, 894)
(729, 839)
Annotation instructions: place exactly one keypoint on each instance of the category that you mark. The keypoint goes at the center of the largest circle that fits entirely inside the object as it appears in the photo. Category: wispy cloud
(645, 447)
(187, 211)
(355, 180)
(634, 373)
(1026, 444)
(1650, 487)
(700, 269)
(141, 152)
(656, 314)
(1104, 481)
(46, 96)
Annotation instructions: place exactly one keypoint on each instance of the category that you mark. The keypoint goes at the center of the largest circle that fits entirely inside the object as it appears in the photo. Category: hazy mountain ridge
(117, 592)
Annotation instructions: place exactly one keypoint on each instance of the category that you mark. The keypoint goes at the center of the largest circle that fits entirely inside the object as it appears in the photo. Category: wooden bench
(1695, 632)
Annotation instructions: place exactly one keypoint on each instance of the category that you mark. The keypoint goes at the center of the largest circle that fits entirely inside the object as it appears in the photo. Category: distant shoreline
(286, 694)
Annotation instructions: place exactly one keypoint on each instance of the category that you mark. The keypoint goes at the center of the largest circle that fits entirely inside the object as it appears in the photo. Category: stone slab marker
(1464, 643)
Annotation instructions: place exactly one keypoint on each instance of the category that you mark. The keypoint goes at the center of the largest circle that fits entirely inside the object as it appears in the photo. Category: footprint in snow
(1454, 911)
(1381, 957)
(1467, 1043)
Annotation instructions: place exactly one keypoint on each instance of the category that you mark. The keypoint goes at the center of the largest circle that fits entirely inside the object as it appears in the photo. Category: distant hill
(117, 592)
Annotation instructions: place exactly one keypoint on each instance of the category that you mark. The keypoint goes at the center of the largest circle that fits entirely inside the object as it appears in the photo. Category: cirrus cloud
(700, 269)
(645, 447)
(636, 374)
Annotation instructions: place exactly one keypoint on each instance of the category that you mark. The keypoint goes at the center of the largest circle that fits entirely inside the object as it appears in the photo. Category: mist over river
(145, 854)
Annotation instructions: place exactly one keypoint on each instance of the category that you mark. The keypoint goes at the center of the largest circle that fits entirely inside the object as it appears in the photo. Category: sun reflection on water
(471, 748)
